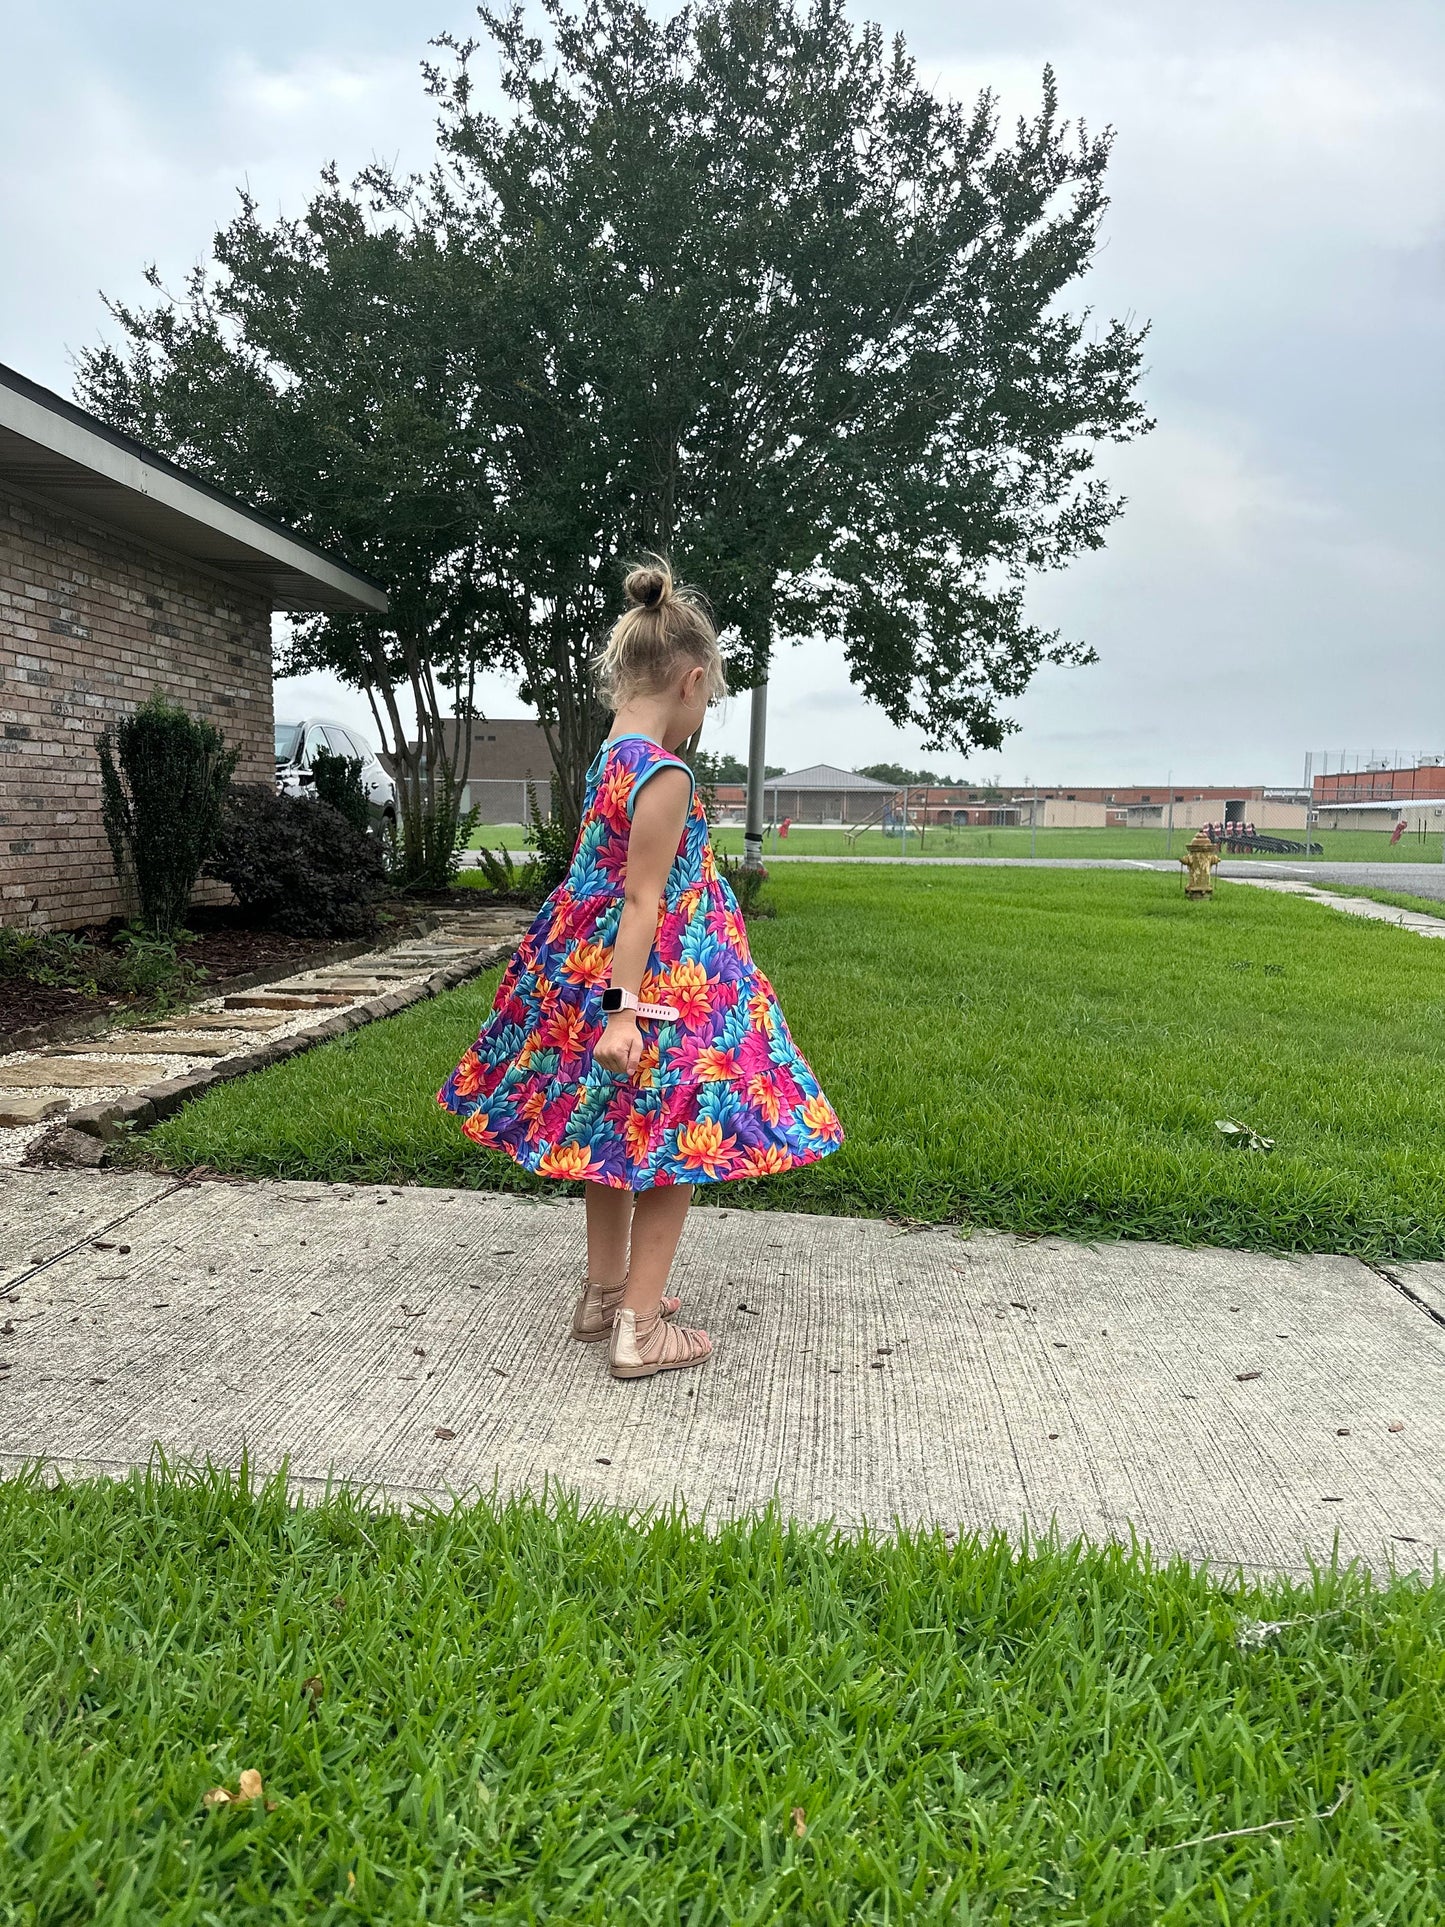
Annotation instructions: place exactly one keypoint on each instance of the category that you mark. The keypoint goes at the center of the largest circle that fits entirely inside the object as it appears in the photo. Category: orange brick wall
(91, 624)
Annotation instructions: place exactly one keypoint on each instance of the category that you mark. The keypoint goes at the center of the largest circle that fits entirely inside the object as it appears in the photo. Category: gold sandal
(597, 1308)
(642, 1346)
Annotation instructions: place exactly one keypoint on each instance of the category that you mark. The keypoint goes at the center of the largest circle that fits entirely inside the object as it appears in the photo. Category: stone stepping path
(133, 1075)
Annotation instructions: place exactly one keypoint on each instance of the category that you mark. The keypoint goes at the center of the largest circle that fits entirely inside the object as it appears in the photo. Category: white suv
(297, 743)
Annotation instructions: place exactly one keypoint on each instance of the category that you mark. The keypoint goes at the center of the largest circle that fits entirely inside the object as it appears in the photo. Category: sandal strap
(678, 1342)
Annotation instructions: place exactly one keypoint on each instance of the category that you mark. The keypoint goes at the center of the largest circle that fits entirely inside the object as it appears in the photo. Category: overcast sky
(1278, 213)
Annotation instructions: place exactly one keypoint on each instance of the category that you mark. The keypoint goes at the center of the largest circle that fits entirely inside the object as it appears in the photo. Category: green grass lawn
(1038, 1050)
(1340, 846)
(517, 1715)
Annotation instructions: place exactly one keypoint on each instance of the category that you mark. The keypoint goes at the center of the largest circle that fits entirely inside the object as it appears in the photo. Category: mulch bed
(224, 948)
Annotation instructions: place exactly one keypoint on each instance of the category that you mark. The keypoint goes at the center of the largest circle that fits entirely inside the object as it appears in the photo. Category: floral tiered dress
(721, 1092)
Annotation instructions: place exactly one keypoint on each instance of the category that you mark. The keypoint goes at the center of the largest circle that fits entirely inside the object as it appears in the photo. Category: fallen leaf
(1244, 1377)
(339, 1602)
(248, 1788)
(800, 1823)
(444, 1432)
(313, 1687)
(350, 1881)
(418, 1351)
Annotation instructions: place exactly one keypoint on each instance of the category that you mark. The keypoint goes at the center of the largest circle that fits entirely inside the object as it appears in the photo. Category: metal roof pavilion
(823, 776)
(66, 456)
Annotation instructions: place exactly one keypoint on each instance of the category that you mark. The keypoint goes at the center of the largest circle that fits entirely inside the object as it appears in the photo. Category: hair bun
(646, 588)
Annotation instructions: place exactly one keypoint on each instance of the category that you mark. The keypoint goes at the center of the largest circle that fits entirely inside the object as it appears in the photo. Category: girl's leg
(642, 1343)
(609, 1230)
(657, 1220)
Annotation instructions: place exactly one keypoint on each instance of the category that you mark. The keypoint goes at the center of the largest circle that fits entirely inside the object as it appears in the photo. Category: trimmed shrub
(296, 864)
(163, 778)
(337, 781)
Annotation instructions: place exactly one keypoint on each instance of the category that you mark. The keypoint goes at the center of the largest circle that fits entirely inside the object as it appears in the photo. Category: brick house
(122, 576)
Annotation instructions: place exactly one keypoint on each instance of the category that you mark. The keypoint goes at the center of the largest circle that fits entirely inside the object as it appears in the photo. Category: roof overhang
(52, 449)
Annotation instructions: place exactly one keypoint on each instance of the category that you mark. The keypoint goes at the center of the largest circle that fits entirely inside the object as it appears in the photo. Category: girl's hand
(620, 1047)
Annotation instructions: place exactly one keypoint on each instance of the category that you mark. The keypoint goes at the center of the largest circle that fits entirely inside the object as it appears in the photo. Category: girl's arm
(658, 816)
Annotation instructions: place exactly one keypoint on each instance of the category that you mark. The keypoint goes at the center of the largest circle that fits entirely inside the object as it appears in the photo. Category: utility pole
(1033, 818)
(757, 748)
(903, 840)
(1169, 840)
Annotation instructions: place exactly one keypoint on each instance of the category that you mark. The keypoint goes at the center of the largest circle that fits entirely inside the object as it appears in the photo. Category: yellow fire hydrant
(1199, 860)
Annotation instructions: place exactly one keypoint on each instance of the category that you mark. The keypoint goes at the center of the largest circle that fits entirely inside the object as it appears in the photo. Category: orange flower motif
(763, 1097)
(588, 964)
(817, 1115)
(533, 1105)
(686, 986)
(646, 1067)
(566, 1030)
(468, 1075)
(702, 1146)
(715, 1066)
(614, 791)
(765, 1161)
(566, 1161)
(475, 1127)
(760, 1009)
(637, 1135)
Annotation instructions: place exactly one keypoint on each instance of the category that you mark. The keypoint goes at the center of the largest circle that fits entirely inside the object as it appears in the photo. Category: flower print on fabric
(720, 1093)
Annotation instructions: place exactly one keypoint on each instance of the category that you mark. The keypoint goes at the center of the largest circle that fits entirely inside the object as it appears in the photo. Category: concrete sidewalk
(1225, 1405)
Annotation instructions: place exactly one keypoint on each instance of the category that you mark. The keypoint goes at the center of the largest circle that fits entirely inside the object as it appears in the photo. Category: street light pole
(757, 747)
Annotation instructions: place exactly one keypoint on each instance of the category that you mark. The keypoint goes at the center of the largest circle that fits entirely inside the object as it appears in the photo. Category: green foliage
(552, 840)
(337, 781)
(1037, 1050)
(456, 1717)
(748, 886)
(711, 766)
(136, 964)
(298, 865)
(164, 777)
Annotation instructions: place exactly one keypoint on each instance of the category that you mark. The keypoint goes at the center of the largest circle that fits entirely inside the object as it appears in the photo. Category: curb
(138, 1110)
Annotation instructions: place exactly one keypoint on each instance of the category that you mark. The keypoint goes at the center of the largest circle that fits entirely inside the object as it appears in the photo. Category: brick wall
(91, 624)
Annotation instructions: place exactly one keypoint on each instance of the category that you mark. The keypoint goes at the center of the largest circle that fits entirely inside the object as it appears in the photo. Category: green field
(1342, 846)
(515, 1715)
(1038, 1050)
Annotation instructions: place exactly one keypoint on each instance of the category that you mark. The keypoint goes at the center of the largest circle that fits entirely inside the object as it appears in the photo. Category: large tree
(815, 314)
(736, 286)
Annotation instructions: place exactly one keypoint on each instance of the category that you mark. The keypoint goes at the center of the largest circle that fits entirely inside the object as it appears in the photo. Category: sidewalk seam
(96, 1231)
(1406, 1291)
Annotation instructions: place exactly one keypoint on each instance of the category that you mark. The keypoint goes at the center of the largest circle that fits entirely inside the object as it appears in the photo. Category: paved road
(1228, 1406)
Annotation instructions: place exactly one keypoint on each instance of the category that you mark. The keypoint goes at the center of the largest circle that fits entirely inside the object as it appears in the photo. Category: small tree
(163, 779)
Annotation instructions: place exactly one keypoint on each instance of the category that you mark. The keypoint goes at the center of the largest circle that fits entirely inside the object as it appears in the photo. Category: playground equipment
(1239, 839)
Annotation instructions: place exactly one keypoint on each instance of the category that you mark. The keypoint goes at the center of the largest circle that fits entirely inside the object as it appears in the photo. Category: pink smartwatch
(614, 998)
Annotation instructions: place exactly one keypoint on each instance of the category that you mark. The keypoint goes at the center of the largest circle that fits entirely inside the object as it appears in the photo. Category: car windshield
(288, 742)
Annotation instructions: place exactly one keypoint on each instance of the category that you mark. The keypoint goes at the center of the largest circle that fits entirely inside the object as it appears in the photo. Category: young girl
(633, 1042)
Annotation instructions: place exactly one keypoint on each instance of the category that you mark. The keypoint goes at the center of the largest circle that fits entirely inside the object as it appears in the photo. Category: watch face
(611, 1000)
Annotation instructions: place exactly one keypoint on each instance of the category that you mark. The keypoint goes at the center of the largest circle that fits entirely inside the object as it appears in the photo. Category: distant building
(1382, 783)
(510, 766)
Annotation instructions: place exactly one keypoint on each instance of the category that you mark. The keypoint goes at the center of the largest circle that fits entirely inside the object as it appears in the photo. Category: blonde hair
(663, 626)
